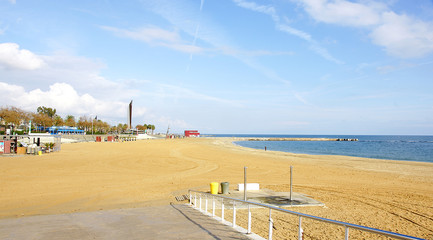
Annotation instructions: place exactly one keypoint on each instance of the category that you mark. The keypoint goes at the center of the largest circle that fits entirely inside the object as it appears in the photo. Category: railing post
(234, 214)
(205, 205)
(213, 206)
(300, 231)
(346, 234)
(271, 225)
(291, 181)
(245, 183)
(249, 220)
(222, 210)
(200, 202)
(346, 225)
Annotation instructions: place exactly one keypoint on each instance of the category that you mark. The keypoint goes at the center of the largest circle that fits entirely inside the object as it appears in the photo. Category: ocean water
(408, 148)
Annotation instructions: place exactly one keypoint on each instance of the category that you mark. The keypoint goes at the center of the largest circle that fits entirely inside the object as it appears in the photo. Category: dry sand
(390, 195)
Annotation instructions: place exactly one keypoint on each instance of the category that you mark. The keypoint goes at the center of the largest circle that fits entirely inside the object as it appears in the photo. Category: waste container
(224, 187)
(214, 188)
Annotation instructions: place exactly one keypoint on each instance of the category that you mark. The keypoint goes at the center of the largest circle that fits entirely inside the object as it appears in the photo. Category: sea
(390, 147)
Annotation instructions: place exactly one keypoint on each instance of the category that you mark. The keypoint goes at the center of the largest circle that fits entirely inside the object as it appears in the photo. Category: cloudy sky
(225, 66)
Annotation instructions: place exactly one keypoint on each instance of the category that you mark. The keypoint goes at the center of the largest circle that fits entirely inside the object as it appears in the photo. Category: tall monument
(130, 115)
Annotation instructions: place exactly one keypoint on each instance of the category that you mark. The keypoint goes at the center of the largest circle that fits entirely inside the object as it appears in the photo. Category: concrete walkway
(162, 222)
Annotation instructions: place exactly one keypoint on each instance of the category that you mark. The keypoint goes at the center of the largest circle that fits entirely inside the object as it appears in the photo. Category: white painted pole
(200, 203)
(222, 210)
(300, 231)
(249, 220)
(346, 234)
(271, 224)
(291, 181)
(245, 183)
(234, 214)
(205, 206)
(213, 206)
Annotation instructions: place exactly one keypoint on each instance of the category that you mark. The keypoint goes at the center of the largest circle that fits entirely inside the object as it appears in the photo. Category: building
(192, 133)
(64, 130)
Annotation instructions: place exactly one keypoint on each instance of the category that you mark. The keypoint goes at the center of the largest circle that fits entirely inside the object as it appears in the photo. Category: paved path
(162, 222)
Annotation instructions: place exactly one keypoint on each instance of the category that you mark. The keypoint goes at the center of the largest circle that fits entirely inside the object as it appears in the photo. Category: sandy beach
(390, 195)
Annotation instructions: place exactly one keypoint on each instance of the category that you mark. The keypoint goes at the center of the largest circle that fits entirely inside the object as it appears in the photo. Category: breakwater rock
(302, 139)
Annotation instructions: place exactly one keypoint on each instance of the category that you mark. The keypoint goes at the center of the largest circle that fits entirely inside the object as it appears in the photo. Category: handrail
(300, 215)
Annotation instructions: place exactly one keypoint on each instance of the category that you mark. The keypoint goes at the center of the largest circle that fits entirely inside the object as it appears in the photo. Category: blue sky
(225, 66)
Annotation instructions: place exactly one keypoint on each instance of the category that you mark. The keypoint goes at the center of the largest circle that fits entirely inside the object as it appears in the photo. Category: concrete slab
(267, 196)
(162, 222)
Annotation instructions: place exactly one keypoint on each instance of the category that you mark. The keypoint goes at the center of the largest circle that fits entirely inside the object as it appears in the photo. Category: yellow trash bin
(214, 188)
(39, 152)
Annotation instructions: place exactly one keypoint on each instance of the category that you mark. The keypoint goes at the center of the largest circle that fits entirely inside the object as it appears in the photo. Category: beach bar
(64, 130)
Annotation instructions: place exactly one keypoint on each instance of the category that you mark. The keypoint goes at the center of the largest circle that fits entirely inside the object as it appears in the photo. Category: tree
(124, 127)
(40, 119)
(70, 121)
(58, 121)
(149, 127)
(140, 127)
(13, 116)
(84, 123)
(50, 112)
(113, 129)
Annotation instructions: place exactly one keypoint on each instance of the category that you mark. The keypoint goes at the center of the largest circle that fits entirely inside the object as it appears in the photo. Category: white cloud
(259, 8)
(65, 99)
(80, 72)
(344, 12)
(11, 56)
(156, 37)
(71, 84)
(403, 36)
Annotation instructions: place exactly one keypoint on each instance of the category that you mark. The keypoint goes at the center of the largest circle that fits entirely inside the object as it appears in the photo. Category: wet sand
(390, 195)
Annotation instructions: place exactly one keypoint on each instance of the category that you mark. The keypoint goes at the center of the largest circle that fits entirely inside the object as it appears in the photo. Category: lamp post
(91, 117)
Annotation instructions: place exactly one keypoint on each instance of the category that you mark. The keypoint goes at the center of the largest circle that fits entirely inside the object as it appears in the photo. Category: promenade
(158, 222)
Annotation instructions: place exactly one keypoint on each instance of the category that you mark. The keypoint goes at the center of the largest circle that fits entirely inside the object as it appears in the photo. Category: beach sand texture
(390, 195)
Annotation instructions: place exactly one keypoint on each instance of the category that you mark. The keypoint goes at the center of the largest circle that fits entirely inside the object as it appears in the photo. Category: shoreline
(386, 156)
(233, 142)
(94, 176)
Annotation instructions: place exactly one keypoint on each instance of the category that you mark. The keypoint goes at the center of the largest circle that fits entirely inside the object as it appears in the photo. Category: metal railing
(300, 216)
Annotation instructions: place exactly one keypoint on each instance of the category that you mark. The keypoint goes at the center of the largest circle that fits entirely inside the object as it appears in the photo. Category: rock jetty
(303, 139)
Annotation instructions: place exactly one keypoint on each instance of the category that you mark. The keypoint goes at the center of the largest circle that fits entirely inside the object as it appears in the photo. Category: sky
(224, 66)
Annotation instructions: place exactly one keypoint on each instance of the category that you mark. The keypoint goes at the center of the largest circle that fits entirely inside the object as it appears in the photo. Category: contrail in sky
(201, 5)
(196, 32)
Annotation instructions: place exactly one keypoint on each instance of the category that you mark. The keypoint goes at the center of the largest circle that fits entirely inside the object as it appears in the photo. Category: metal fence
(195, 199)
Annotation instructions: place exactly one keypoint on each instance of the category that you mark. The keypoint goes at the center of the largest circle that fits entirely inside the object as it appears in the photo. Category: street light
(91, 117)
